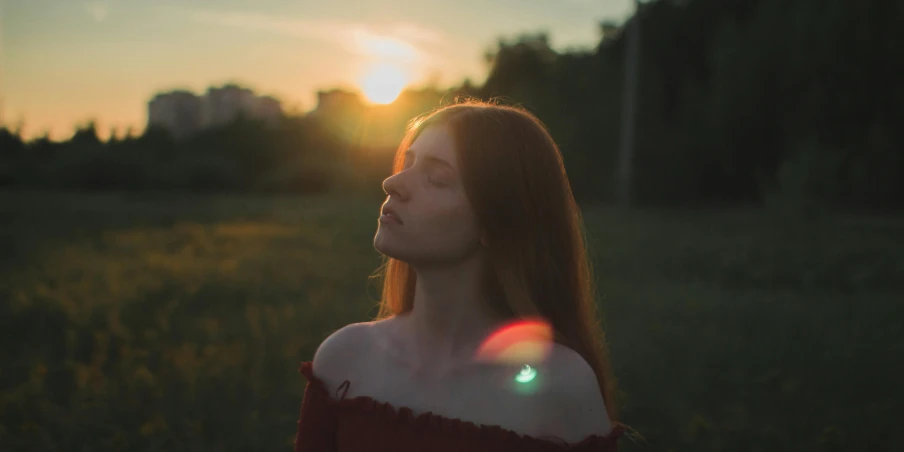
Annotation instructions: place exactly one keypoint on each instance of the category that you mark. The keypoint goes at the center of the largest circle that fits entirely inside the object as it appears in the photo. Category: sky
(64, 62)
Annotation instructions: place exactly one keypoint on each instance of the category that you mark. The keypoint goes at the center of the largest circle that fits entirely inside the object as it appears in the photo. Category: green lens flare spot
(526, 375)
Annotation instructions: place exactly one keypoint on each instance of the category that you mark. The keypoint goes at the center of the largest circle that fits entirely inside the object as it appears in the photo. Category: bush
(806, 182)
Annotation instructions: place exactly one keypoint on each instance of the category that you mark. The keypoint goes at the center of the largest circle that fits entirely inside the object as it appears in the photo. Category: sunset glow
(383, 83)
(65, 63)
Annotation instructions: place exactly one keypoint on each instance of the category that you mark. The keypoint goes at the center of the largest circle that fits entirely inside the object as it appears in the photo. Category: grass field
(163, 322)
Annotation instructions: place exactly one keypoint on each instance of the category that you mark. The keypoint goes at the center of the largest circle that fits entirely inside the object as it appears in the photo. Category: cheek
(453, 221)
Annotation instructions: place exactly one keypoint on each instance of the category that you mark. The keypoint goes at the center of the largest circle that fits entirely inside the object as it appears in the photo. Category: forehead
(437, 142)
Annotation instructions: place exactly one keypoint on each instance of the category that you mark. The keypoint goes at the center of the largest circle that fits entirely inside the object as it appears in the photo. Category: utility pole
(1, 65)
(629, 110)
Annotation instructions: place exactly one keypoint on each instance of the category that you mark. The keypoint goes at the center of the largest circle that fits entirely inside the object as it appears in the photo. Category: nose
(394, 186)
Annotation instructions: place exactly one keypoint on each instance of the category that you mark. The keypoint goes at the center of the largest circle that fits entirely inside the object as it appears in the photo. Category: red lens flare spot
(519, 342)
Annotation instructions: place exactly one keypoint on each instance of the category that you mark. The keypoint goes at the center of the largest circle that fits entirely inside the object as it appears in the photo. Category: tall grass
(165, 322)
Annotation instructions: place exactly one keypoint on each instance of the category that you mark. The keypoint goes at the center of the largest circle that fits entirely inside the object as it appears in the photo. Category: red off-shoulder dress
(362, 424)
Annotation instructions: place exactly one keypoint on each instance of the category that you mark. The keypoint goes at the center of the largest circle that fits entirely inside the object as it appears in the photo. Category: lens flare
(520, 342)
(526, 375)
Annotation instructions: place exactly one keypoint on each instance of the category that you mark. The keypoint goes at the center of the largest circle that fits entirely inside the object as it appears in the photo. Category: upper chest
(484, 395)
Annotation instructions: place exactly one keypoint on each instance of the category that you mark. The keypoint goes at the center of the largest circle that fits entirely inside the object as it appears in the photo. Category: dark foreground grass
(164, 322)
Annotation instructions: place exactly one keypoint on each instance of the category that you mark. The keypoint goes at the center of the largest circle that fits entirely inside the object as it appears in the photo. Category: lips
(391, 212)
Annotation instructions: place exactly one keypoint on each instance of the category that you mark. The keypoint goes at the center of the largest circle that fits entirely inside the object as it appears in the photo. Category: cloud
(398, 41)
(383, 46)
(296, 28)
(415, 33)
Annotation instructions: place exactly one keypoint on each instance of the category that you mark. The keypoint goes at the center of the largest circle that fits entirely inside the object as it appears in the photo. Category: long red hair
(514, 178)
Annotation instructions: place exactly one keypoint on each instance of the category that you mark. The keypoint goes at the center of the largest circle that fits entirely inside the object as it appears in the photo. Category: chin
(394, 251)
(391, 254)
(384, 245)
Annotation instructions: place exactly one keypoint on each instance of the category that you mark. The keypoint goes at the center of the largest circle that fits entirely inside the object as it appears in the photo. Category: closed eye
(433, 166)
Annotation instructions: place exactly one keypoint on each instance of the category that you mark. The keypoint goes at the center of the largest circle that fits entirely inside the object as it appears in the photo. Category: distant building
(338, 102)
(414, 102)
(341, 113)
(268, 109)
(223, 105)
(184, 113)
(179, 112)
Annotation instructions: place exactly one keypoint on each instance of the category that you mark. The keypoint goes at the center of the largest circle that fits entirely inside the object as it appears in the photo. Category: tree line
(739, 102)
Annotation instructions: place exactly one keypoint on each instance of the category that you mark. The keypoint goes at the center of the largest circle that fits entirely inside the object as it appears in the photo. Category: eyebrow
(431, 159)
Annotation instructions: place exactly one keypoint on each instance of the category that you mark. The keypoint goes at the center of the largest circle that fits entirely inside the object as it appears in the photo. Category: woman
(479, 230)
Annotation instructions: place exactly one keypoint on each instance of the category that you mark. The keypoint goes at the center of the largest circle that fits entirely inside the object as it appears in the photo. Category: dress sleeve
(317, 421)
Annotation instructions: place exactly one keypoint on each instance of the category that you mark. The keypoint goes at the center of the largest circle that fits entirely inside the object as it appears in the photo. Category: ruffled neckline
(456, 426)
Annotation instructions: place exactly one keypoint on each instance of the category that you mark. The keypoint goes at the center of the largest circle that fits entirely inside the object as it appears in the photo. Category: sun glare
(383, 83)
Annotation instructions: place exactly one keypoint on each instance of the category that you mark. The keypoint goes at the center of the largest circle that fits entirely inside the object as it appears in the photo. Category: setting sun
(384, 83)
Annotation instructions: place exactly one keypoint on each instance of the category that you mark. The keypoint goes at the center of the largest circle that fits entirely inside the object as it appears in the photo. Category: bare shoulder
(337, 356)
(573, 404)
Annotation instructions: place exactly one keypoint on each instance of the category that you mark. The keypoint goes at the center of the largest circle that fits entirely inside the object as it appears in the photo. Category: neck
(451, 317)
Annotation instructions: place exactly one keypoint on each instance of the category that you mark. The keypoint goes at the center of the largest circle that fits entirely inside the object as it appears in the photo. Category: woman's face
(438, 225)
